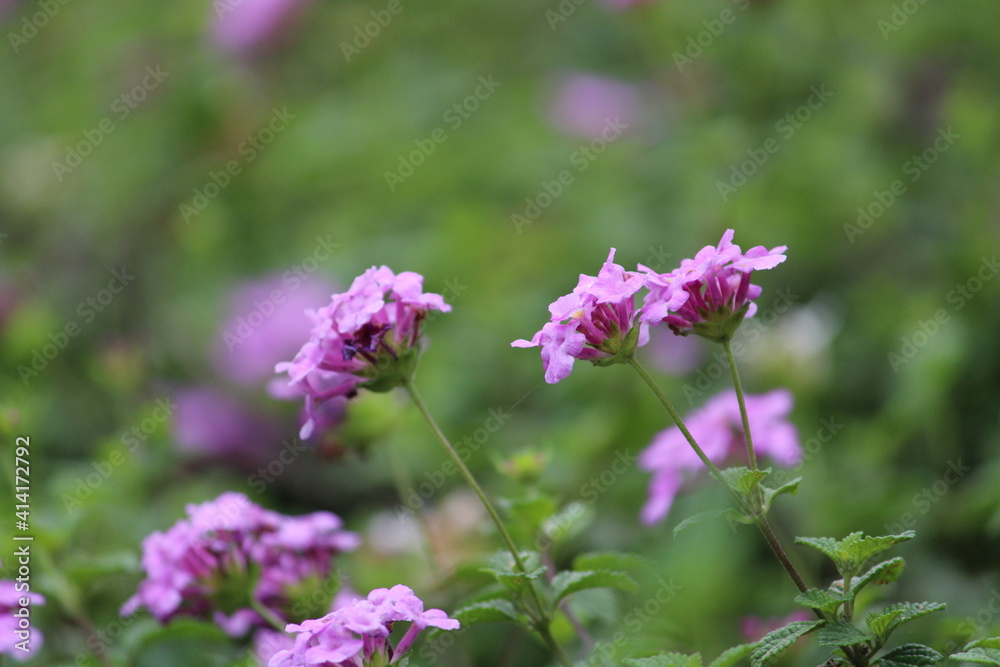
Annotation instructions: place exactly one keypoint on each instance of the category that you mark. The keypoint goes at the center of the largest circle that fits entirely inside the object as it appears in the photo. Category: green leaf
(569, 582)
(985, 642)
(982, 656)
(743, 479)
(884, 573)
(777, 641)
(531, 512)
(841, 633)
(503, 568)
(824, 600)
(910, 655)
(697, 518)
(790, 488)
(490, 611)
(666, 660)
(732, 656)
(881, 622)
(851, 553)
(899, 613)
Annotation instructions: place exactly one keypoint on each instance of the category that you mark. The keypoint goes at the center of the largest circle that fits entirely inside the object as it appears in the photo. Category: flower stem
(542, 623)
(751, 455)
(680, 424)
(267, 614)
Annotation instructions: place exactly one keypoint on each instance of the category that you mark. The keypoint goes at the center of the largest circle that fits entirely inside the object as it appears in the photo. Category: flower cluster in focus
(366, 338)
(718, 428)
(357, 635)
(598, 322)
(230, 550)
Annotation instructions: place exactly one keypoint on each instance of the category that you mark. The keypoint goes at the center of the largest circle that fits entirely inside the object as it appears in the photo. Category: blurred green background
(197, 148)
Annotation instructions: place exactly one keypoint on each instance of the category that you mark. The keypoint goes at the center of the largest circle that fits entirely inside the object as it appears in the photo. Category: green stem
(542, 622)
(267, 614)
(684, 431)
(751, 455)
(779, 551)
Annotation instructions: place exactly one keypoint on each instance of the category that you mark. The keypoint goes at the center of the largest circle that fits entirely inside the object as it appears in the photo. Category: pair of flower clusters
(357, 635)
(598, 321)
(366, 338)
(230, 557)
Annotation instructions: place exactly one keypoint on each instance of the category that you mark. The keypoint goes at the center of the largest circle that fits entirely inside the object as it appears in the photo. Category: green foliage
(910, 655)
(667, 660)
(984, 651)
(824, 600)
(569, 582)
(790, 488)
(733, 655)
(841, 633)
(491, 611)
(884, 573)
(851, 553)
(777, 641)
(887, 620)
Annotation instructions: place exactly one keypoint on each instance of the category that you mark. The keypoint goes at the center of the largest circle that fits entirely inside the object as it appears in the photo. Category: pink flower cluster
(229, 549)
(718, 428)
(357, 635)
(598, 322)
(366, 338)
(12, 642)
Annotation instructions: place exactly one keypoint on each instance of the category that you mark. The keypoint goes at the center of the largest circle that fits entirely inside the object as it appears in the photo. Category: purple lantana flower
(718, 428)
(12, 642)
(595, 322)
(357, 635)
(710, 294)
(366, 338)
(229, 549)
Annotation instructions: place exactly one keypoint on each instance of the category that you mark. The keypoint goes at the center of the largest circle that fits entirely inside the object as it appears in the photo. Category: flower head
(710, 294)
(357, 635)
(596, 322)
(229, 549)
(366, 338)
(11, 597)
(718, 429)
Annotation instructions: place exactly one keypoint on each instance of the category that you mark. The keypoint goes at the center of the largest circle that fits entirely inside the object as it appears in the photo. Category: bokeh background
(167, 172)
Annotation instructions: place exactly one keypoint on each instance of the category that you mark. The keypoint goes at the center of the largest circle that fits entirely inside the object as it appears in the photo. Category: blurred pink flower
(210, 422)
(585, 104)
(244, 26)
(11, 595)
(718, 429)
(266, 323)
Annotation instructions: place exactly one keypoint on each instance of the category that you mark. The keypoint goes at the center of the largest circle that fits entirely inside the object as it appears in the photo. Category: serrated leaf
(490, 611)
(880, 622)
(910, 655)
(824, 600)
(841, 633)
(790, 488)
(907, 611)
(851, 553)
(981, 656)
(985, 642)
(884, 573)
(826, 545)
(503, 568)
(777, 641)
(743, 479)
(570, 581)
(732, 656)
(666, 660)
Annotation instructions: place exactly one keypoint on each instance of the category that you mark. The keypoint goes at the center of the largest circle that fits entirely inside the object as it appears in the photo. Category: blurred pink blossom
(585, 104)
(244, 26)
